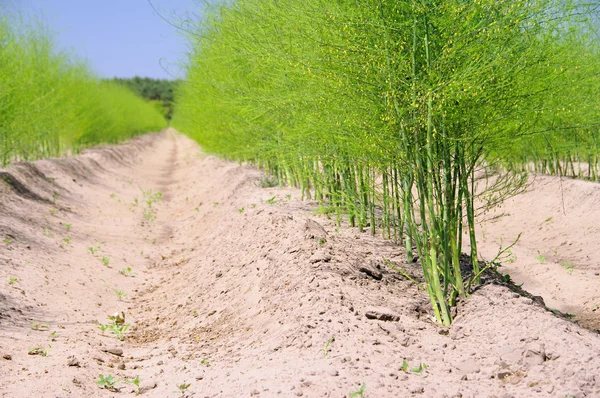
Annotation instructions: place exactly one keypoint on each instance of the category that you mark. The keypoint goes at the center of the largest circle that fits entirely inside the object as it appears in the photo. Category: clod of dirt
(147, 385)
(381, 314)
(534, 354)
(114, 350)
(314, 230)
(371, 271)
(320, 256)
(73, 361)
(8, 357)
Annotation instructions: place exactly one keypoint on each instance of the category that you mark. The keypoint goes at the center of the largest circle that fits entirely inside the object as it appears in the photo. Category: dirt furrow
(230, 289)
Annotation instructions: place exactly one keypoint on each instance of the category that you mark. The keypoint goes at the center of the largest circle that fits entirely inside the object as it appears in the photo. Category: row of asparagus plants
(51, 104)
(384, 109)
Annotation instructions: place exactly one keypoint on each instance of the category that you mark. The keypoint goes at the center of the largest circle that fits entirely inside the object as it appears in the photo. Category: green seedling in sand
(39, 350)
(568, 266)
(127, 271)
(68, 227)
(116, 325)
(149, 214)
(135, 382)
(8, 241)
(420, 368)
(404, 366)
(359, 393)
(94, 250)
(151, 197)
(120, 294)
(12, 280)
(182, 388)
(540, 258)
(67, 240)
(46, 232)
(241, 210)
(53, 335)
(271, 201)
(108, 382)
(105, 261)
(204, 362)
(328, 345)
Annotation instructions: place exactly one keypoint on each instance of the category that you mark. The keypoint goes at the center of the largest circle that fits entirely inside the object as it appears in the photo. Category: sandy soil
(557, 255)
(239, 290)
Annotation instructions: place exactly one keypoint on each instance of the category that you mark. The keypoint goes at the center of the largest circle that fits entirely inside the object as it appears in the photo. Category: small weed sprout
(568, 266)
(46, 232)
(39, 350)
(182, 388)
(8, 241)
(326, 349)
(105, 261)
(53, 335)
(12, 280)
(127, 271)
(120, 294)
(108, 382)
(540, 258)
(52, 212)
(359, 393)
(404, 366)
(271, 201)
(136, 382)
(150, 198)
(68, 227)
(420, 368)
(149, 214)
(204, 362)
(67, 240)
(240, 210)
(116, 325)
(94, 250)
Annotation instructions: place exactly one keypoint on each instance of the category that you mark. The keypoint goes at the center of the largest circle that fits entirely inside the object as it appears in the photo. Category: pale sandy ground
(558, 254)
(240, 291)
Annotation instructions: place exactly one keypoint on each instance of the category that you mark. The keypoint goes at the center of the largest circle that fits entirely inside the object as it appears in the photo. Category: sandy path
(239, 290)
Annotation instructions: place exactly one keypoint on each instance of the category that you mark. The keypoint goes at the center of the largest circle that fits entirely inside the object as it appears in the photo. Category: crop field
(349, 199)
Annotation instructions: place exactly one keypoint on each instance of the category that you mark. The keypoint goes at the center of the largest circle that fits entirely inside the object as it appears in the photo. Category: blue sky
(122, 38)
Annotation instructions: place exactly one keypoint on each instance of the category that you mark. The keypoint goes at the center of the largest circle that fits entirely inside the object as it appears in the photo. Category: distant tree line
(158, 91)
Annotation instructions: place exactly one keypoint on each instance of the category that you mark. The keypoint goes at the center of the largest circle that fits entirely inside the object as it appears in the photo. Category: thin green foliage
(387, 111)
(51, 104)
